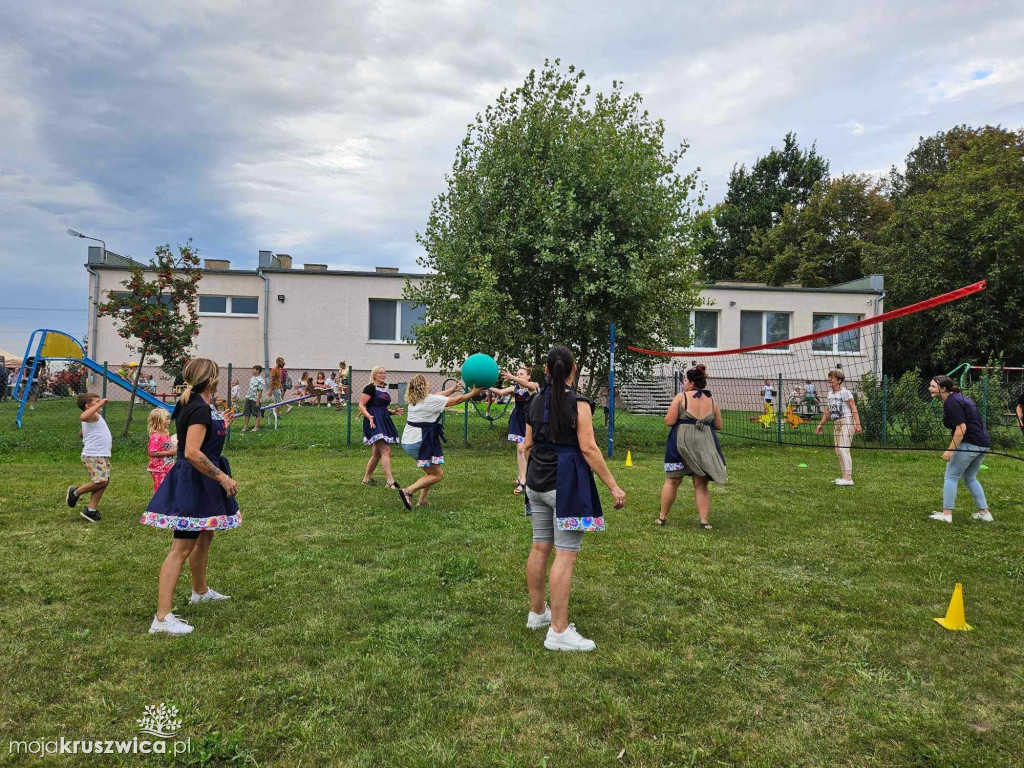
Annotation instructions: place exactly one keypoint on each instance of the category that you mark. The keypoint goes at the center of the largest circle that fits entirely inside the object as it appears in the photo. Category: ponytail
(560, 364)
(698, 376)
(946, 383)
(200, 376)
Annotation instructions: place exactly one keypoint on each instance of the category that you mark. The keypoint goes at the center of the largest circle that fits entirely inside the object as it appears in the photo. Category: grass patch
(798, 632)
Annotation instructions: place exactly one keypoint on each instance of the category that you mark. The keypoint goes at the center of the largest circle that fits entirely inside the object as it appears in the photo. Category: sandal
(392, 485)
(706, 526)
(406, 499)
(662, 520)
(519, 488)
(371, 481)
(423, 504)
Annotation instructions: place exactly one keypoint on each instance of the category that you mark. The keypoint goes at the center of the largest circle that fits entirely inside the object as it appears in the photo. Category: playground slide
(122, 382)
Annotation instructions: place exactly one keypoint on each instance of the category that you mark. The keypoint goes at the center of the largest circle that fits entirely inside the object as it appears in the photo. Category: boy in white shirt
(96, 445)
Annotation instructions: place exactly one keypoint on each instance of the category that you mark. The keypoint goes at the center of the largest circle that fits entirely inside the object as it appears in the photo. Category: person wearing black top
(967, 448)
(562, 456)
(379, 431)
(197, 497)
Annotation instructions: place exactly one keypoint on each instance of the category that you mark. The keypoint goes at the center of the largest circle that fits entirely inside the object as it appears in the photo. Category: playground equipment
(496, 412)
(59, 346)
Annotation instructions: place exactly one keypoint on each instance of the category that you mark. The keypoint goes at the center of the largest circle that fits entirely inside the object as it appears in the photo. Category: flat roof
(725, 286)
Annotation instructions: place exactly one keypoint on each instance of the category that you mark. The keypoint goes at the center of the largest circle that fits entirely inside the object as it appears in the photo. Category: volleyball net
(778, 391)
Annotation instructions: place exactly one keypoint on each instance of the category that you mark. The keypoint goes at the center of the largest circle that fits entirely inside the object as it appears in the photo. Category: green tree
(754, 204)
(563, 213)
(158, 317)
(827, 241)
(959, 218)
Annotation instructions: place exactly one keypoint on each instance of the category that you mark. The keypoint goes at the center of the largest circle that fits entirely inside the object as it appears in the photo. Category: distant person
(319, 386)
(253, 396)
(341, 379)
(38, 385)
(522, 390)
(96, 445)
(768, 394)
(692, 447)
(423, 434)
(969, 442)
(1020, 411)
(161, 449)
(235, 389)
(151, 385)
(5, 379)
(379, 431)
(842, 410)
(278, 376)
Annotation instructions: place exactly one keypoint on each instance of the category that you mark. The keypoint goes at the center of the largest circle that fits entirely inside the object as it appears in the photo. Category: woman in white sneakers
(842, 410)
(562, 457)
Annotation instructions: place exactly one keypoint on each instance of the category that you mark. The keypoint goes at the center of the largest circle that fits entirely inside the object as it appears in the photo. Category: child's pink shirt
(160, 464)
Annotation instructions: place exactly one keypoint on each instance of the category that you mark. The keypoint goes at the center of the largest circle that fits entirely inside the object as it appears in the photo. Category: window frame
(764, 332)
(718, 331)
(229, 306)
(835, 351)
(398, 323)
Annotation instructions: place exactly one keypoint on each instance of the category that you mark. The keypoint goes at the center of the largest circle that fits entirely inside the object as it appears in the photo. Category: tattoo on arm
(207, 467)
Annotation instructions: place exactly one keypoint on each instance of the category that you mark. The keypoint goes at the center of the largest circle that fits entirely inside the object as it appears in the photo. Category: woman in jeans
(562, 456)
(842, 409)
(967, 448)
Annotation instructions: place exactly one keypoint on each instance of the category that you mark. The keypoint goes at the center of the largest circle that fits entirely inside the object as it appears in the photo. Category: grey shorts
(250, 408)
(542, 504)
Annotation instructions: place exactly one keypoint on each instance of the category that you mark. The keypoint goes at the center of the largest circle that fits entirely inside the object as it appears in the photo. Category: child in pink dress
(162, 449)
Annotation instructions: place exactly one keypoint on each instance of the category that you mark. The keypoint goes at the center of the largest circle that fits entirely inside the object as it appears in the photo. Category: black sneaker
(72, 496)
(92, 515)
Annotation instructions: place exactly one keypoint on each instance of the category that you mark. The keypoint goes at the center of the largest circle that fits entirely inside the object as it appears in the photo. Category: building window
(757, 328)
(163, 298)
(244, 306)
(703, 331)
(848, 341)
(392, 320)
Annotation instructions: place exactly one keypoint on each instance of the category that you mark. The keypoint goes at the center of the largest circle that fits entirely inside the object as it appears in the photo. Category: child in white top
(96, 445)
(842, 410)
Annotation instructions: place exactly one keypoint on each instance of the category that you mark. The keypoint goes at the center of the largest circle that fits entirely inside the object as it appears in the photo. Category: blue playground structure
(57, 345)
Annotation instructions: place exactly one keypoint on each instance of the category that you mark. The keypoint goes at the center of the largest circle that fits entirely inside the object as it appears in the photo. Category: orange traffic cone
(954, 618)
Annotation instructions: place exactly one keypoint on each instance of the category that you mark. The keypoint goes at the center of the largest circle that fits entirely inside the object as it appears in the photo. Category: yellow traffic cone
(629, 459)
(954, 618)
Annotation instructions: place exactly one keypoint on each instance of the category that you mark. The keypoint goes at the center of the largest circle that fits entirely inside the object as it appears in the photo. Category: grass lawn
(798, 632)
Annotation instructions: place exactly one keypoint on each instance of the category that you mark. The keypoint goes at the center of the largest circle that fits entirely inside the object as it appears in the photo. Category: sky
(325, 129)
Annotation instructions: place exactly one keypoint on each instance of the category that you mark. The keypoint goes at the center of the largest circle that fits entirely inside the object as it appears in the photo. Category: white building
(315, 317)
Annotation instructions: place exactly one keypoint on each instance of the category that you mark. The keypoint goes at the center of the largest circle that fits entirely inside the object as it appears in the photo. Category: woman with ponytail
(968, 445)
(197, 497)
(562, 457)
(693, 447)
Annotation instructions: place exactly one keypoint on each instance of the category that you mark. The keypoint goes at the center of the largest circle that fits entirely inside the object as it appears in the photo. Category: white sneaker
(210, 594)
(538, 620)
(171, 624)
(841, 481)
(985, 517)
(570, 640)
(942, 517)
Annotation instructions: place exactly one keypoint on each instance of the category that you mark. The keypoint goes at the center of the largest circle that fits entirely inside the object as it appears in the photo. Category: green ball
(480, 370)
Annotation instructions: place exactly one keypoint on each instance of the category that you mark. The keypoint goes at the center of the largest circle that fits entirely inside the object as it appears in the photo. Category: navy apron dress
(383, 426)
(430, 444)
(517, 421)
(188, 500)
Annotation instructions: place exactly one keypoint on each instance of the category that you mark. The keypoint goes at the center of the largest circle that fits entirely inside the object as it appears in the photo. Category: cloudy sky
(325, 133)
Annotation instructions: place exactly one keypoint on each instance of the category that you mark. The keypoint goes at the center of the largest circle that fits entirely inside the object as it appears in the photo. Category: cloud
(325, 129)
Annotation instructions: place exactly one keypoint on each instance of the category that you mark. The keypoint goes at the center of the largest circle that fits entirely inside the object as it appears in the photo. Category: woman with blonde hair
(197, 497)
(423, 433)
(379, 431)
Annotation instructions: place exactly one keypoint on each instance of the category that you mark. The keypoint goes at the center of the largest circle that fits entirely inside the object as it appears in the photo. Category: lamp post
(96, 292)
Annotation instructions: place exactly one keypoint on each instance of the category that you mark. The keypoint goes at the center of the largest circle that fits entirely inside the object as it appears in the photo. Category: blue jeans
(965, 464)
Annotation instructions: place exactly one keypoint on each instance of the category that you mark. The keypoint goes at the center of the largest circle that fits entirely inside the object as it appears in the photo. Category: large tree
(563, 212)
(158, 317)
(959, 218)
(827, 241)
(754, 203)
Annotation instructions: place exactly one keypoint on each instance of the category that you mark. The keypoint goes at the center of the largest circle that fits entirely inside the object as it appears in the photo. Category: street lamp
(96, 291)
(76, 233)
